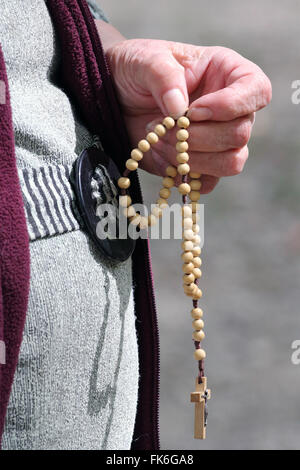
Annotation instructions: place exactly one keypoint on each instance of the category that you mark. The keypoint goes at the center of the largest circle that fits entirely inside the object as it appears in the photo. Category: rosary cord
(190, 195)
(197, 344)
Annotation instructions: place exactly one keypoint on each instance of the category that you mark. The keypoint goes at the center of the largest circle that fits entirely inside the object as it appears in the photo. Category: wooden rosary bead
(196, 250)
(123, 182)
(162, 203)
(182, 157)
(137, 155)
(198, 324)
(187, 223)
(182, 147)
(198, 335)
(196, 288)
(143, 223)
(183, 121)
(198, 294)
(182, 135)
(188, 278)
(188, 268)
(152, 220)
(125, 201)
(197, 262)
(195, 175)
(152, 138)
(187, 246)
(194, 196)
(144, 145)
(187, 257)
(171, 171)
(135, 220)
(160, 130)
(199, 354)
(186, 211)
(190, 294)
(165, 193)
(183, 169)
(197, 273)
(189, 289)
(157, 212)
(131, 164)
(195, 185)
(196, 239)
(197, 313)
(184, 188)
(188, 234)
(168, 182)
(169, 122)
(129, 212)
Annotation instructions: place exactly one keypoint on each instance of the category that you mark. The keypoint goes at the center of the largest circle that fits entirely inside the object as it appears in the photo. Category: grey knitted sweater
(76, 382)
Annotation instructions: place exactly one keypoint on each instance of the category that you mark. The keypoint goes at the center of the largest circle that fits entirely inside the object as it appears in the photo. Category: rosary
(190, 192)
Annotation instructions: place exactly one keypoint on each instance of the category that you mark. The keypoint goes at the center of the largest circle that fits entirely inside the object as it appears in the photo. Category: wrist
(109, 35)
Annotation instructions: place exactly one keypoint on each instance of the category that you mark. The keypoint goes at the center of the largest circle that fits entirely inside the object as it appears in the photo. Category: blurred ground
(251, 271)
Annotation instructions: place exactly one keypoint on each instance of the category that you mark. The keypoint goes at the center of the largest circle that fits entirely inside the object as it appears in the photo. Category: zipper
(156, 397)
(110, 107)
(155, 329)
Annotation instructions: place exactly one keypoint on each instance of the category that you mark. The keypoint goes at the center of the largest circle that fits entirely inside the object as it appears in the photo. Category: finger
(165, 79)
(154, 163)
(208, 183)
(220, 136)
(249, 90)
(217, 164)
(213, 136)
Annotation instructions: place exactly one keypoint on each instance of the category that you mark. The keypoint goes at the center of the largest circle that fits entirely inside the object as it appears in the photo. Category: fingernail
(199, 114)
(174, 102)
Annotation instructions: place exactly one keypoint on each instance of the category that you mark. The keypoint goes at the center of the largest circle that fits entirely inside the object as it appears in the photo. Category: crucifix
(200, 397)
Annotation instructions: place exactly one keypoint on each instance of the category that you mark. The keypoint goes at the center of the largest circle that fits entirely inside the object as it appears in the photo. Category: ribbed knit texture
(76, 382)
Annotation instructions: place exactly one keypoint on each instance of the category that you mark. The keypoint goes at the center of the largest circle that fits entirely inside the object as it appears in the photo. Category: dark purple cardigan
(86, 78)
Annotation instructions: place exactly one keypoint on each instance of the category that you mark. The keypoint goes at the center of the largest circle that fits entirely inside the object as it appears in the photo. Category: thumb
(165, 79)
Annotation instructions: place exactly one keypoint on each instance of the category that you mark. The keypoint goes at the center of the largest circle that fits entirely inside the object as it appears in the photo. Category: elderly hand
(222, 90)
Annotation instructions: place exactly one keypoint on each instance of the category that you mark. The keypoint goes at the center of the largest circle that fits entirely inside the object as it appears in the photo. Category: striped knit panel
(50, 201)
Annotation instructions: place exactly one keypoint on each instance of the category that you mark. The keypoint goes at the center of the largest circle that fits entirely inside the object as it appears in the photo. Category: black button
(92, 168)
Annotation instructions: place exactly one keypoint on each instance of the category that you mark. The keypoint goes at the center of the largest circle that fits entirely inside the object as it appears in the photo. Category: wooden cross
(200, 397)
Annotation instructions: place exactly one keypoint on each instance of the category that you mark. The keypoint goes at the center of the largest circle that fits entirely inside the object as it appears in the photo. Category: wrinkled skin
(230, 87)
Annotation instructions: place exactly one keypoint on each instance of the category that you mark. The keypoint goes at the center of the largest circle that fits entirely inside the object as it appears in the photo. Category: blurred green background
(251, 268)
